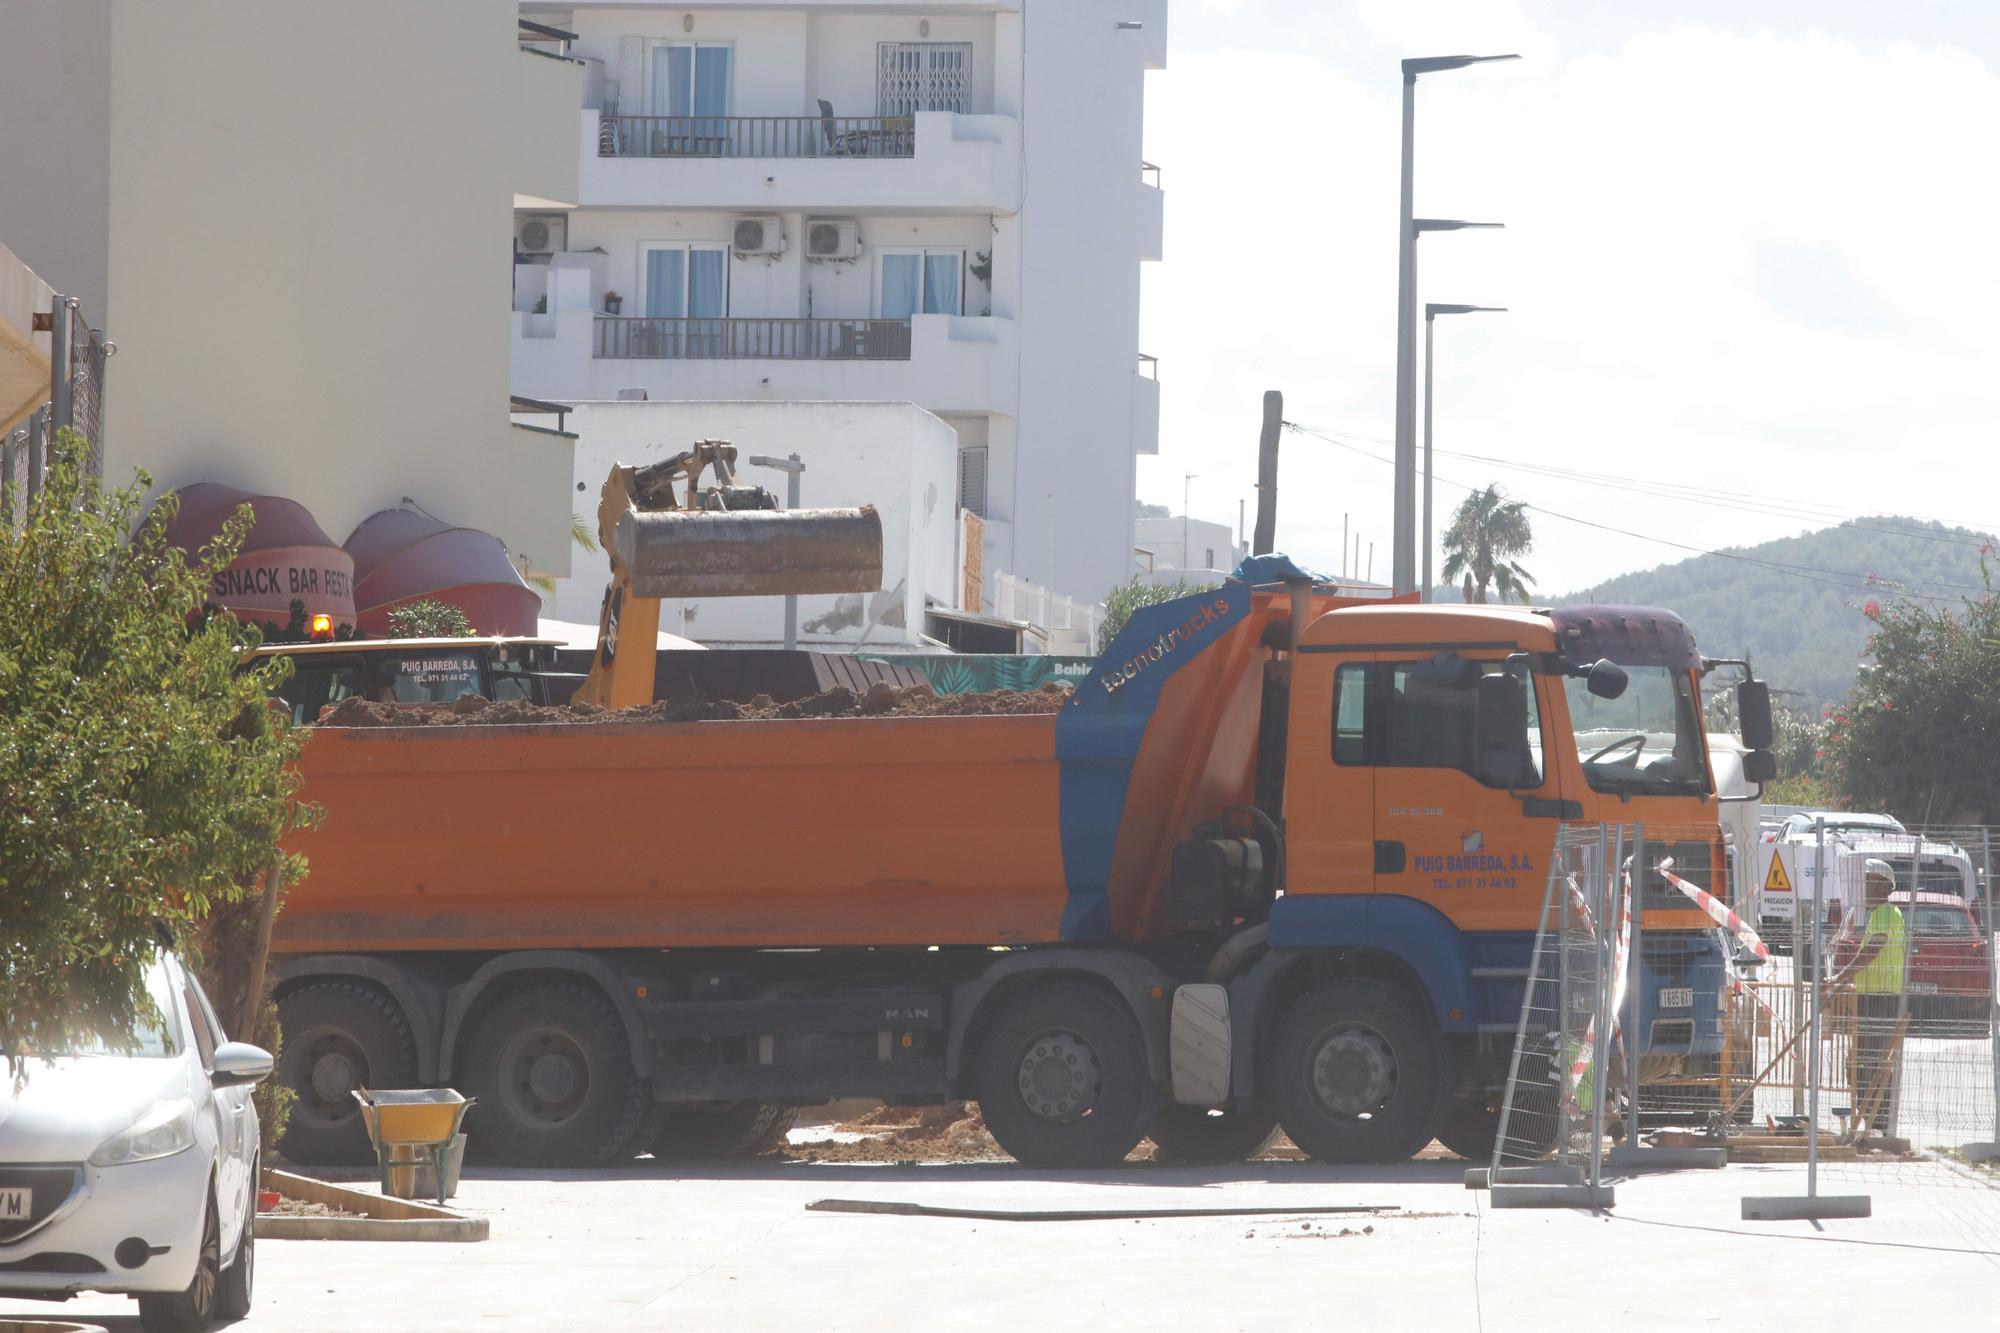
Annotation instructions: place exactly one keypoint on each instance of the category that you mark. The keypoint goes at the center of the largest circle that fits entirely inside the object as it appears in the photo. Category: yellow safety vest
(1884, 973)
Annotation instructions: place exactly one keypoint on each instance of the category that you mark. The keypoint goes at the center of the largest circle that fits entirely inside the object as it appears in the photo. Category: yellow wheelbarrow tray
(408, 1124)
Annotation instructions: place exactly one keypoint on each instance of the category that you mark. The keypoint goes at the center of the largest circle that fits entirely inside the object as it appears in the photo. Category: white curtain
(902, 278)
(941, 283)
(666, 284)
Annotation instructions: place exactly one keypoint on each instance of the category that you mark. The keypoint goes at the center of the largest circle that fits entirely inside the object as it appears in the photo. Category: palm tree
(1486, 533)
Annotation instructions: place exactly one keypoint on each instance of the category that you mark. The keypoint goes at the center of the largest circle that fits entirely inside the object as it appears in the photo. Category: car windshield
(1648, 739)
(154, 1035)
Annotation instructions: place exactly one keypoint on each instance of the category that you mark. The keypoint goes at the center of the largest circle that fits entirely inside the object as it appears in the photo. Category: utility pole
(1265, 539)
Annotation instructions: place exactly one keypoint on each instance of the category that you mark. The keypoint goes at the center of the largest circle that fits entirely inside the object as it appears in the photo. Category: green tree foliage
(1919, 735)
(1806, 631)
(1124, 600)
(144, 779)
(1486, 533)
(429, 619)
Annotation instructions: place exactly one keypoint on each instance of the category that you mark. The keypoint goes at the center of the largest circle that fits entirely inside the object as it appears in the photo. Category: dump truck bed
(842, 831)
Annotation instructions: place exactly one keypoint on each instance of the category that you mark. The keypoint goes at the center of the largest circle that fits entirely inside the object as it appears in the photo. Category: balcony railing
(756, 136)
(752, 339)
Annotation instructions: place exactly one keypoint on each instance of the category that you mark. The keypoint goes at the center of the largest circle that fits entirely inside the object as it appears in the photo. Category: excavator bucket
(751, 553)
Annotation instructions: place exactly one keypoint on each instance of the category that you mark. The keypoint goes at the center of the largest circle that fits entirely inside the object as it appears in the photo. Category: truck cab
(416, 672)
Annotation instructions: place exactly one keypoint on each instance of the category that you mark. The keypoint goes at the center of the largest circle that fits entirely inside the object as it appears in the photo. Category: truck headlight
(166, 1127)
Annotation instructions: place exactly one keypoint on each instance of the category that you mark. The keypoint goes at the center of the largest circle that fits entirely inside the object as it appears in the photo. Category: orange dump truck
(1277, 861)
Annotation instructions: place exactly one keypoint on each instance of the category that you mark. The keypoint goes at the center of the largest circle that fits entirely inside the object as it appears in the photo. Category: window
(972, 479)
(1648, 739)
(432, 678)
(1208, 560)
(204, 1039)
(920, 282)
(1420, 715)
(1934, 921)
(686, 281)
(690, 79)
(318, 682)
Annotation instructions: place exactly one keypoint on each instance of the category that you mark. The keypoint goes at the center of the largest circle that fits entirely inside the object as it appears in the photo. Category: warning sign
(1775, 879)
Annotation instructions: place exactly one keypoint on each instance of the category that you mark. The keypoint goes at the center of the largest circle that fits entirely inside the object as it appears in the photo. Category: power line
(1708, 496)
(1844, 580)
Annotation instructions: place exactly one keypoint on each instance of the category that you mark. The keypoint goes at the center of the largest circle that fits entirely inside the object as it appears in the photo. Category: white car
(132, 1166)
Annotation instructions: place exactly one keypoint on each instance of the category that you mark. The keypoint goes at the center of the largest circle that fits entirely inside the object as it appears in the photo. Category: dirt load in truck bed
(880, 700)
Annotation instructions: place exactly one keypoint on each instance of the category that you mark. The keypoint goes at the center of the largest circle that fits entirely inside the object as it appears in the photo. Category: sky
(1749, 254)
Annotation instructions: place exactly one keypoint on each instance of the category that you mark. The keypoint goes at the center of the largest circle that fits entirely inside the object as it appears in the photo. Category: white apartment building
(938, 203)
(289, 215)
(1184, 544)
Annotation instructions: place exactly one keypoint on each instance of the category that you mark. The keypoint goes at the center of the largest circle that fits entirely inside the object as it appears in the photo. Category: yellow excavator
(670, 535)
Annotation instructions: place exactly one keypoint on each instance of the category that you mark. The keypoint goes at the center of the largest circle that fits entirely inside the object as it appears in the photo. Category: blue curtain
(673, 86)
(901, 278)
(705, 284)
(941, 283)
(666, 284)
(711, 81)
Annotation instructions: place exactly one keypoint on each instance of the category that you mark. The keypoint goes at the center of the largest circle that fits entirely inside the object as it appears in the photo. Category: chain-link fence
(77, 357)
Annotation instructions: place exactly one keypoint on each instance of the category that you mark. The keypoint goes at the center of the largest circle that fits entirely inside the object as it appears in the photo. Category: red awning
(402, 556)
(286, 556)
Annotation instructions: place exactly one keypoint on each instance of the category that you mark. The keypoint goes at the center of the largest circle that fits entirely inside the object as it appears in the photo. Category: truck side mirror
(1501, 716)
(1605, 678)
(1760, 766)
(1753, 714)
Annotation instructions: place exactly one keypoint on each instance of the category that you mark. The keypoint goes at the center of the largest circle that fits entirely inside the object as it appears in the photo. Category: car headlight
(167, 1127)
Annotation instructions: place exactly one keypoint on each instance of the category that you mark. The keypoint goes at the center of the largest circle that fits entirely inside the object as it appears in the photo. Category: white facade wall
(894, 456)
(1040, 174)
(289, 215)
(1209, 546)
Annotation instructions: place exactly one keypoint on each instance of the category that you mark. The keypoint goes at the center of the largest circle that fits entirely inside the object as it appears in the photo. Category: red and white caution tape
(1621, 956)
(1718, 911)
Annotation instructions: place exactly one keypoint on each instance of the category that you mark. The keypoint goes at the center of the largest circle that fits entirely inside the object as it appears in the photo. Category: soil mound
(881, 700)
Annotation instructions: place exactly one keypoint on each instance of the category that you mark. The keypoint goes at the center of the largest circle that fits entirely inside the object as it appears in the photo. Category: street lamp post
(1402, 561)
(791, 467)
(1432, 310)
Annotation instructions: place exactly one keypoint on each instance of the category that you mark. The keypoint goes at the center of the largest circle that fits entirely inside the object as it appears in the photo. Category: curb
(384, 1218)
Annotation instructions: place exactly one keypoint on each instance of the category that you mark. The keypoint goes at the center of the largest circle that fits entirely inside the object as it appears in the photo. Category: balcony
(544, 153)
(752, 339)
(945, 363)
(855, 164)
(1146, 406)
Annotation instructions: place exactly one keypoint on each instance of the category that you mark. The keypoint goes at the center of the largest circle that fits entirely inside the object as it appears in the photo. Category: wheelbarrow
(411, 1127)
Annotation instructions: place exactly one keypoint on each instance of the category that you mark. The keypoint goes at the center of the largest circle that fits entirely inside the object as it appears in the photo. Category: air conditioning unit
(833, 238)
(758, 236)
(540, 234)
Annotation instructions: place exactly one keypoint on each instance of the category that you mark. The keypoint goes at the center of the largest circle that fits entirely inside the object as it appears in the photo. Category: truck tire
(708, 1131)
(338, 1036)
(553, 1073)
(1357, 1074)
(1197, 1136)
(1061, 1078)
(1471, 1124)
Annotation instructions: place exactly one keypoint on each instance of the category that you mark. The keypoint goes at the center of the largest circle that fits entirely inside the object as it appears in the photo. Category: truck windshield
(1648, 739)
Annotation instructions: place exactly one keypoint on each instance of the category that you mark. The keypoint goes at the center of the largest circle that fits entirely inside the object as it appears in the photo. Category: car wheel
(233, 1300)
(338, 1036)
(1061, 1078)
(192, 1310)
(1356, 1074)
(554, 1077)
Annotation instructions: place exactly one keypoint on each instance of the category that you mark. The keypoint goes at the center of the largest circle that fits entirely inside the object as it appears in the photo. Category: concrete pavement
(733, 1247)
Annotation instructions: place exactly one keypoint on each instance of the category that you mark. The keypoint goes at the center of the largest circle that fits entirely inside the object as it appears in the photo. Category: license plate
(1676, 997)
(1923, 988)
(16, 1205)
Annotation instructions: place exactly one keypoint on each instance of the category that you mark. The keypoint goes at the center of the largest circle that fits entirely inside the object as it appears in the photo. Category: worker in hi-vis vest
(1877, 972)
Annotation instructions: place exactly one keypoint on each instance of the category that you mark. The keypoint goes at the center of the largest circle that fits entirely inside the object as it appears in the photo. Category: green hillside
(1802, 625)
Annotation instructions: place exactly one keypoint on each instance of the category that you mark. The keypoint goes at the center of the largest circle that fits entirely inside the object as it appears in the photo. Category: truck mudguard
(1457, 970)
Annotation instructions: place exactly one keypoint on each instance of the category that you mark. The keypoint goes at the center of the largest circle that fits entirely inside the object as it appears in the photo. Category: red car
(1950, 965)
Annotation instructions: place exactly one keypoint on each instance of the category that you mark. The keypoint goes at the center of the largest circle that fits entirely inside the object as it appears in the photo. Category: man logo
(1471, 842)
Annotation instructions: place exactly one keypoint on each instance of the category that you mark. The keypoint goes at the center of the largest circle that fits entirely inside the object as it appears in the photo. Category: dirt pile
(880, 700)
(950, 1132)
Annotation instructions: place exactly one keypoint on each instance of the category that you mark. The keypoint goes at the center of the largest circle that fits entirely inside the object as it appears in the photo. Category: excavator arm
(668, 535)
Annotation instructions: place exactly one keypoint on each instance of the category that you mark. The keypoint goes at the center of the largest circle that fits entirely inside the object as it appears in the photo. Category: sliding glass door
(686, 283)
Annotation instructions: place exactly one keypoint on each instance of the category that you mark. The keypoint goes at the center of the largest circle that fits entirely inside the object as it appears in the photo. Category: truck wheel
(338, 1036)
(554, 1078)
(1197, 1136)
(1357, 1074)
(1061, 1078)
(706, 1131)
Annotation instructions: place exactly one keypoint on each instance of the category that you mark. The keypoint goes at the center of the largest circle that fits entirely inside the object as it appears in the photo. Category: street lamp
(791, 467)
(1431, 311)
(1402, 562)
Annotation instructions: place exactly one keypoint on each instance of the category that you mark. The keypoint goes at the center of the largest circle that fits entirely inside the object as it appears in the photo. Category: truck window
(1942, 921)
(318, 681)
(1407, 715)
(436, 677)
